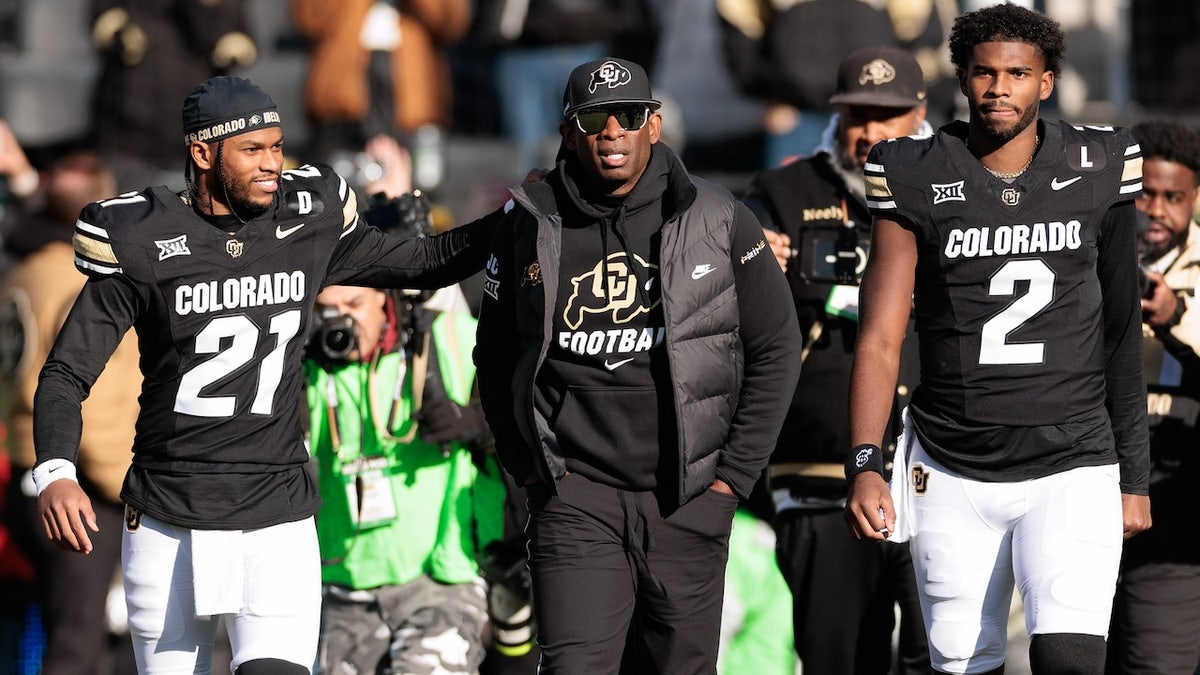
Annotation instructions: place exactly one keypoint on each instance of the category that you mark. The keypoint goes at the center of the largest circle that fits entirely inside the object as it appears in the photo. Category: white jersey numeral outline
(994, 348)
(243, 336)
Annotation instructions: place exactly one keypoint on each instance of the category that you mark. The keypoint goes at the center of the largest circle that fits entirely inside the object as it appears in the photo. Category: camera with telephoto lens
(333, 338)
(408, 215)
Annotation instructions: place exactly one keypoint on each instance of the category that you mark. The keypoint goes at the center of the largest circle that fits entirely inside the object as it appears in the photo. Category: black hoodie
(614, 424)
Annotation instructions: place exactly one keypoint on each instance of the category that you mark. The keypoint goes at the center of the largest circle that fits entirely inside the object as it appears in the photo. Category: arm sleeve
(759, 203)
(771, 345)
(102, 314)
(366, 256)
(1125, 385)
(496, 352)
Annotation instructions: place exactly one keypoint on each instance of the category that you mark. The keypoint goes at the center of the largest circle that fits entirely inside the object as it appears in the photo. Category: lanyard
(420, 364)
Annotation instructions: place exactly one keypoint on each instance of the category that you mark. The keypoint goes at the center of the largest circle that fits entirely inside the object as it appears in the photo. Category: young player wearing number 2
(219, 284)
(1013, 238)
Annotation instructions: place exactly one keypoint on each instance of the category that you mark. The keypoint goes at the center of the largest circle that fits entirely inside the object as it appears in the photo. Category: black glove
(442, 420)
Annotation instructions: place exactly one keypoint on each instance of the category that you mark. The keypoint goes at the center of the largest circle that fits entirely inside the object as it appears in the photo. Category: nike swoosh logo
(702, 271)
(281, 233)
(55, 469)
(1056, 184)
(618, 364)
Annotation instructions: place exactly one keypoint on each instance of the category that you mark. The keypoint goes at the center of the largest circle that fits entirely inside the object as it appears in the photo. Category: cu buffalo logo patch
(611, 287)
(532, 276)
(877, 72)
(610, 74)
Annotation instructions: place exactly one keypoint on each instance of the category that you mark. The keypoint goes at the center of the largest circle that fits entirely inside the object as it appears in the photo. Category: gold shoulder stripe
(877, 186)
(1133, 170)
(349, 210)
(93, 248)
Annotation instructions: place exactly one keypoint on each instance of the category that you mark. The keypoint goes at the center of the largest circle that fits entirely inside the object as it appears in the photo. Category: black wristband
(1180, 308)
(865, 457)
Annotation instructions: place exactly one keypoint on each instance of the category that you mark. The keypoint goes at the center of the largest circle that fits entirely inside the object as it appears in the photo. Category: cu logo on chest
(1010, 196)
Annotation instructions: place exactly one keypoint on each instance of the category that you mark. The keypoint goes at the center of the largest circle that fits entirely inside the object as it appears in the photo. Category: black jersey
(221, 321)
(1022, 292)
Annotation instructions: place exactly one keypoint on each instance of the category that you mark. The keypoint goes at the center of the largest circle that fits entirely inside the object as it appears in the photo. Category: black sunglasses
(593, 120)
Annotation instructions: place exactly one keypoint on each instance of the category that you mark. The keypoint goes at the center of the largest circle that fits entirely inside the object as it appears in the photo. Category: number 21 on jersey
(241, 337)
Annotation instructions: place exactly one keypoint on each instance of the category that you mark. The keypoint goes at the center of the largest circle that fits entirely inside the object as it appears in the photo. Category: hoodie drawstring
(618, 225)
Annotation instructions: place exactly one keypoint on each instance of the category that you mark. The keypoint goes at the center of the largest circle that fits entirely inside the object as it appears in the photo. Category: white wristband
(51, 470)
(24, 184)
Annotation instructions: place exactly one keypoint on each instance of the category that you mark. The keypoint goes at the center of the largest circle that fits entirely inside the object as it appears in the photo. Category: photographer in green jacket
(411, 492)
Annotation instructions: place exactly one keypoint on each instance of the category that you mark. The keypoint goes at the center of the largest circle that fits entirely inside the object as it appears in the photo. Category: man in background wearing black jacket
(844, 592)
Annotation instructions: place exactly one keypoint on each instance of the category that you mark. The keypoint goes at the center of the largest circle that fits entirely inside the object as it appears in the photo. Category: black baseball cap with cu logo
(606, 82)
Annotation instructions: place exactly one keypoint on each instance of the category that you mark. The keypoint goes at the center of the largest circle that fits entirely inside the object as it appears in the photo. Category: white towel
(901, 485)
(217, 571)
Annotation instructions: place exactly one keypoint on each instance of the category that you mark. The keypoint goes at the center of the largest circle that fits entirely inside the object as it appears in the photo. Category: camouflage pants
(420, 628)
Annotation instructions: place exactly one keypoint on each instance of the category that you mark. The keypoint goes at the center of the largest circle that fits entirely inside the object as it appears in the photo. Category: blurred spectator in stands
(781, 53)
(381, 67)
(922, 28)
(152, 53)
(690, 77)
(19, 182)
(537, 43)
(35, 297)
(9, 39)
(20, 177)
(18, 612)
(1165, 55)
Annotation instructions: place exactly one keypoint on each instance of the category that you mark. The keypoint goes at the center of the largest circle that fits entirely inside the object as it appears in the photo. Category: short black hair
(1007, 23)
(1170, 141)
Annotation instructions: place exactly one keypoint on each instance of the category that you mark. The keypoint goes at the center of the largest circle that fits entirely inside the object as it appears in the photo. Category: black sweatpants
(844, 594)
(620, 586)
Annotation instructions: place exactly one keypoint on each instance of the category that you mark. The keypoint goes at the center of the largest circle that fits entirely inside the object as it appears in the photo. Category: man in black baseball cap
(637, 315)
(607, 82)
(601, 91)
(886, 77)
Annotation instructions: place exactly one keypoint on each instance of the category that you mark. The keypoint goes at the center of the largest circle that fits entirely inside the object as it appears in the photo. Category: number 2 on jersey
(242, 337)
(994, 348)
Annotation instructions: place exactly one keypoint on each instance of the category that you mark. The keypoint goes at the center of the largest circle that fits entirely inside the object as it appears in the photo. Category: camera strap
(419, 358)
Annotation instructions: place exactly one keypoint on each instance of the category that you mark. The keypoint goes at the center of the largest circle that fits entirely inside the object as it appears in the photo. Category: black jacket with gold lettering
(809, 201)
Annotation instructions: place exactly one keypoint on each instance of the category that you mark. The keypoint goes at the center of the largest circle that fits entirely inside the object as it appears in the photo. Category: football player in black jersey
(1013, 239)
(814, 211)
(219, 284)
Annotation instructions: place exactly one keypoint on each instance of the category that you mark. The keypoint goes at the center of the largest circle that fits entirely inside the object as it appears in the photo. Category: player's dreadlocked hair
(1006, 23)
(1170, 141)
